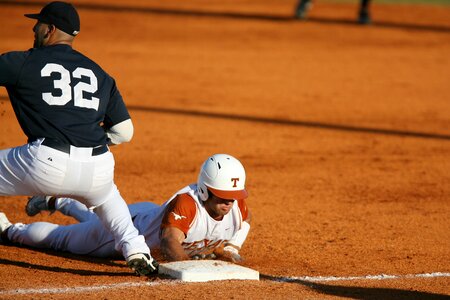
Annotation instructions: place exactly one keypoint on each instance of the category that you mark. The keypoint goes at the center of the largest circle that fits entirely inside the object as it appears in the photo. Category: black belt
(66, 147)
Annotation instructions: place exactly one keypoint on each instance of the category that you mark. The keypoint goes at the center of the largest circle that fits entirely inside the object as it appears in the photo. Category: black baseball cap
(61, 14)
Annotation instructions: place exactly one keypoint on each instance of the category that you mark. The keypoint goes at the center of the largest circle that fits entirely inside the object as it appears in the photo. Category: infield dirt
(344, 131)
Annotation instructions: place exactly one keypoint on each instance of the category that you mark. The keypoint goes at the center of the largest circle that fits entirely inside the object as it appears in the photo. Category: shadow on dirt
(67, 256)
(230, 15)
(98, 261)
(319, 125)
(367, 293)
(28, 265)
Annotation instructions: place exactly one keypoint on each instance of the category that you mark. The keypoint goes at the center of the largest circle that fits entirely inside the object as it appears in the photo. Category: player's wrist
(231, 248)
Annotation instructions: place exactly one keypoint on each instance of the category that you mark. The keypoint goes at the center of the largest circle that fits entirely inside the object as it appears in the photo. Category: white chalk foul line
(82, 289)
(89, 289)
(366, 277)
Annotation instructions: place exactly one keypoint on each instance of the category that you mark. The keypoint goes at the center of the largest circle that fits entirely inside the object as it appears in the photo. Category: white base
(206, 270)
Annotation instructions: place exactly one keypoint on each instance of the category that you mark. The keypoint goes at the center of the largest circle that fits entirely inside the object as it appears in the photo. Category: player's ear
(51, 29)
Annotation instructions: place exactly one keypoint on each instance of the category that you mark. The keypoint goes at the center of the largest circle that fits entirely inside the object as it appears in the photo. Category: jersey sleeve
(11, 64)
(116, 111)
(243, 208)
(180, 213)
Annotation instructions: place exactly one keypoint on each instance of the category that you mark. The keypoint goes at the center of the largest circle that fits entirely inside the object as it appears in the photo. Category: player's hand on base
(204, 256)
(229, 253)
(232, 254)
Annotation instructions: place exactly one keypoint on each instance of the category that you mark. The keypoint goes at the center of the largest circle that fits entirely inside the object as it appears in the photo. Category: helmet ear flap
(202, 192)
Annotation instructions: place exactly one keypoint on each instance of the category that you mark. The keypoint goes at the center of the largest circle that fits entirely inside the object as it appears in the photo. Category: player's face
(40, 34)
(218, 207)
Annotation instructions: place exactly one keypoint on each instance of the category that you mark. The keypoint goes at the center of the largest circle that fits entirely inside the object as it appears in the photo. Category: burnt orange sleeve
(179, 213)
(243, 208)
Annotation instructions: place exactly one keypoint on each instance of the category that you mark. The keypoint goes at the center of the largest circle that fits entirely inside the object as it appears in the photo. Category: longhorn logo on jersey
(178, 217)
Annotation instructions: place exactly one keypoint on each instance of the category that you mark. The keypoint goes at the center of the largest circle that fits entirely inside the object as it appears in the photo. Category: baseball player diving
(207, 219)
(70, 110)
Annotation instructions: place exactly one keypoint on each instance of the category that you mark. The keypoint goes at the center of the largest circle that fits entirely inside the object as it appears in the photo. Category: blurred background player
(61, 98)
(208, 219)
(303, 6)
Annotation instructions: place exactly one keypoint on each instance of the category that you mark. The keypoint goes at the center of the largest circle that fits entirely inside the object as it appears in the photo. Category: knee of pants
(37, 234)
(97, 199)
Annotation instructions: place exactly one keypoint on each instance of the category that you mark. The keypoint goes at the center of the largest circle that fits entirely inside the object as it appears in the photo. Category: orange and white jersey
(186, 212)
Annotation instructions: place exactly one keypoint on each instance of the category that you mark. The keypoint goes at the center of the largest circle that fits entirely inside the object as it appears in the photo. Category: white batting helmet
(224, 176)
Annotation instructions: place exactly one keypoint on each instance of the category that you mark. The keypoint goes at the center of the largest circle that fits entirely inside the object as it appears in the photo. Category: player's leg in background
(67, 206)
(73, 208)
(88, 238)
(302, 8)
(364, 13)
(77, 210)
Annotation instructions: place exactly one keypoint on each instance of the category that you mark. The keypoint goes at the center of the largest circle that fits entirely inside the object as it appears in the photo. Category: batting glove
(232, 254)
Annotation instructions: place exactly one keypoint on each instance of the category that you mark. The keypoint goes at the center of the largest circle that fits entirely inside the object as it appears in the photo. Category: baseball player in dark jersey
(70, 110)
(303, 6)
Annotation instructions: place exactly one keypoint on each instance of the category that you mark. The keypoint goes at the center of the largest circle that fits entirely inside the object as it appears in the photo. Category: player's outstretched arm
(230, 249)
(171, 239)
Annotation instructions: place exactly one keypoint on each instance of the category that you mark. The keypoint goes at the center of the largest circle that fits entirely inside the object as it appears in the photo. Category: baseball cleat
(4, 225)
(36, 204)
(142, 264)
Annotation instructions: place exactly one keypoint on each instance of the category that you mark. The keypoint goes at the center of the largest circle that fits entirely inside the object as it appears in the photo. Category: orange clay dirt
(344, 131)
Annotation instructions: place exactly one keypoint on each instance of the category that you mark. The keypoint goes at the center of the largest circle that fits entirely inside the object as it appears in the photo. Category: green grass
(433, 2)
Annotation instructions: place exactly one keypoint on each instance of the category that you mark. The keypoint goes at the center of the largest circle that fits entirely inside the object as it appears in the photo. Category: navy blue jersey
(58, 93)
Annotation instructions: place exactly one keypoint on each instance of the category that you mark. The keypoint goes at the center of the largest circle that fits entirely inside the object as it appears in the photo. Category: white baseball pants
(35, 169)
(89, 237)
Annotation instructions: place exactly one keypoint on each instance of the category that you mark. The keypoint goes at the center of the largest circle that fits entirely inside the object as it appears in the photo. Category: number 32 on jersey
(63, 84)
